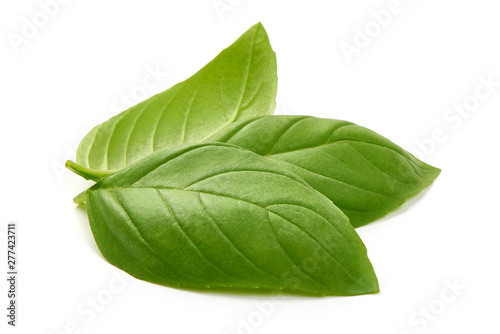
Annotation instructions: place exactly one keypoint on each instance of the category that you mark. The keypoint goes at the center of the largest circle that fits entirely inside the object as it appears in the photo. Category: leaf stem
(80, 198)
(88, 173)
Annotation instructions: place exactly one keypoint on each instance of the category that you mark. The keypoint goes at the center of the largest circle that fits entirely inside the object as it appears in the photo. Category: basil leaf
(363, 173)
(218, 216)
(240, 82)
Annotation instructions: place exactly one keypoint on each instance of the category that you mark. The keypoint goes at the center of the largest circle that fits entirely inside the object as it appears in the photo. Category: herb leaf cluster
(201, 187)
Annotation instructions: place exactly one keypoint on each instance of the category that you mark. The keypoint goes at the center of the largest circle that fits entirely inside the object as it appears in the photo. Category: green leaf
(363, 173)
(239, 83)
(218, 216)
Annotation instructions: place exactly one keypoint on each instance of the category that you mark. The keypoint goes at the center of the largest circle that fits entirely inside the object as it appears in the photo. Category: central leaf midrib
(237, 109)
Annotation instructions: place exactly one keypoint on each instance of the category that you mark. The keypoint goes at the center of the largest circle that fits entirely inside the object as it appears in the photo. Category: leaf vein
(210, 263)
(237, 109)
(317, 242)
(283, 133)
(132, 127)
(158, 121)
(337, 180)
(232, 243)
(187, 114)
(286, 253)
(87, 156)
(129, 219)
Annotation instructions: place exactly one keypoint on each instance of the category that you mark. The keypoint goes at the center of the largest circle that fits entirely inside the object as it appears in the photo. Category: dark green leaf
(218, 216)
(363, 173)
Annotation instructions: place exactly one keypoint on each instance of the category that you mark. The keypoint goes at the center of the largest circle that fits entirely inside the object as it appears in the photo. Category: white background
(72, 73)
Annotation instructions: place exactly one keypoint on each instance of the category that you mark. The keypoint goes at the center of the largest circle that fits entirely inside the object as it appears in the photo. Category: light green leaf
(218, 216)
(363, 173)
(239, 83)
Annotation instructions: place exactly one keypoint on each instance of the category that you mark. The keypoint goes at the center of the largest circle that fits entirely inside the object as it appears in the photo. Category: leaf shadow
(249, 292)
(81, 212)
(402, 209)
